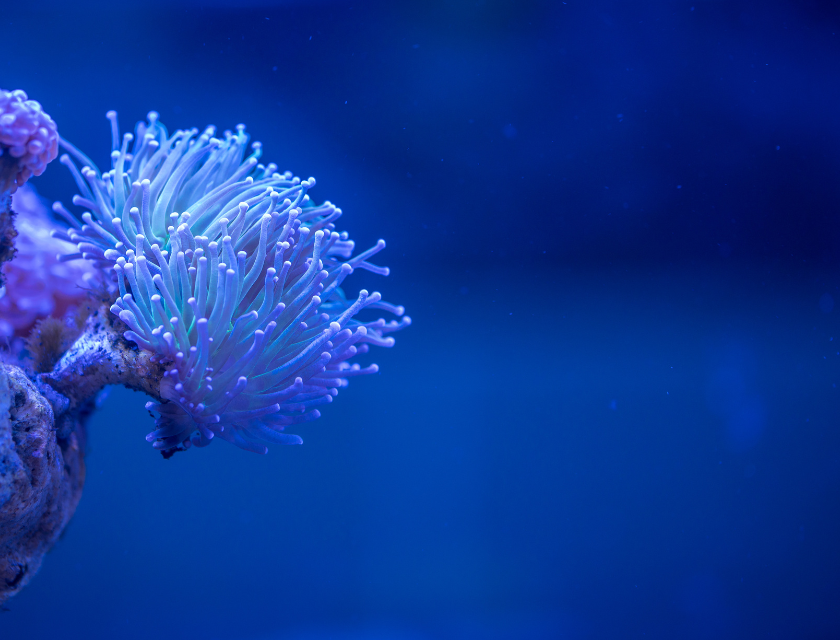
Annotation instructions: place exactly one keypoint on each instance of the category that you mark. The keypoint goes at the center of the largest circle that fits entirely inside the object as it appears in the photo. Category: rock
(41, 478)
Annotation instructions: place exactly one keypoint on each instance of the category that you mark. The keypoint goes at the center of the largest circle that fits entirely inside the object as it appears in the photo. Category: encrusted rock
(41, 478)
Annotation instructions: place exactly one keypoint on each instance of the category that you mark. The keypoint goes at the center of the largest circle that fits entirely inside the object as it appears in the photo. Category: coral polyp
(28, 140)
(231, 276)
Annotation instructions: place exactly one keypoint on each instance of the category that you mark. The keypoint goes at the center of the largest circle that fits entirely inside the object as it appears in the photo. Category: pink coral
(28, 140)
(38, 284)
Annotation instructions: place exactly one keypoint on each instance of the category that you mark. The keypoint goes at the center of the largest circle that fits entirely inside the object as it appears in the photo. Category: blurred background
(615, 225)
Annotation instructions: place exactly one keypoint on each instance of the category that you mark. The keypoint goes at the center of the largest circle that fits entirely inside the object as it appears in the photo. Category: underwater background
(616, 227)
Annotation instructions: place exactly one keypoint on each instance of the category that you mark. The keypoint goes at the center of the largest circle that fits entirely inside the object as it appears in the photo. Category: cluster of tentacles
(229, 274)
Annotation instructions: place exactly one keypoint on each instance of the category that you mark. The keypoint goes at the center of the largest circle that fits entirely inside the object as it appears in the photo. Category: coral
(228, 310)
(28, 140)
(38, 283)
(230, 275)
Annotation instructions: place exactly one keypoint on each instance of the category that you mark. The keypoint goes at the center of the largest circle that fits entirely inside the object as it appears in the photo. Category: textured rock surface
(42, 440)
(7, 231)
(41, 478)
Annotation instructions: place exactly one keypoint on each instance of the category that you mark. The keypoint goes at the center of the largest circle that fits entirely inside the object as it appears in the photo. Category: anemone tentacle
(231, 275)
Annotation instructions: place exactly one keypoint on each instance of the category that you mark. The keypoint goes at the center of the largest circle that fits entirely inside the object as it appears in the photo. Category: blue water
(615, 226)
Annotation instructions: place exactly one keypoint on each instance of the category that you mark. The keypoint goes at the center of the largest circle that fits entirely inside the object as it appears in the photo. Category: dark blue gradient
(616, 228)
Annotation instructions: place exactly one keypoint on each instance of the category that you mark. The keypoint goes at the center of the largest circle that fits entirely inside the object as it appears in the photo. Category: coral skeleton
(231, 276)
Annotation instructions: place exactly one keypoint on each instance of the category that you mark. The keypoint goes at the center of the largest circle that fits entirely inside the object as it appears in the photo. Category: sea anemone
(38, 284)
(28, 140)
(229, 274)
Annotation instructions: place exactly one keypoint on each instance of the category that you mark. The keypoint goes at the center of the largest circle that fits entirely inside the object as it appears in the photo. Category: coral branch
(100, 357)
